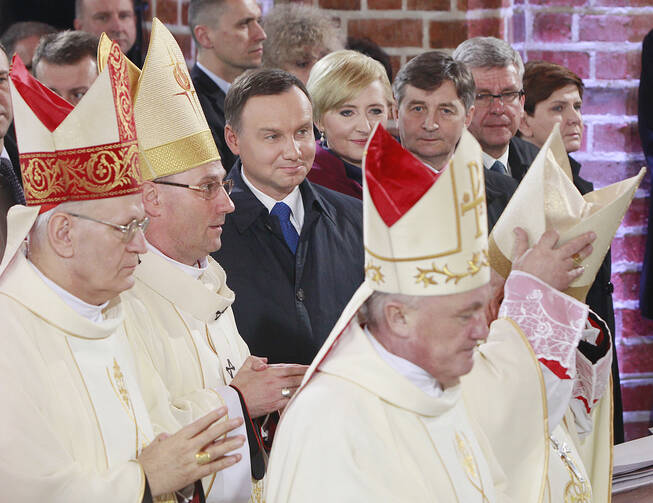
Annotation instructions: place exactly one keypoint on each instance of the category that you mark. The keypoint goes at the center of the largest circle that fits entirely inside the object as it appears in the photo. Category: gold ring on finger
(203, 457)
(285, 392)
(577, 260)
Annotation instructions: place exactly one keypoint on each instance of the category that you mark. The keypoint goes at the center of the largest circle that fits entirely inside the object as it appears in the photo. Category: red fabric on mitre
(49, 107)
(395, 178)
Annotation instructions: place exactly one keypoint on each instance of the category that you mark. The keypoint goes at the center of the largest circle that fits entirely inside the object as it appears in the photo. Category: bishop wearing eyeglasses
(75, 425)
(187, 336)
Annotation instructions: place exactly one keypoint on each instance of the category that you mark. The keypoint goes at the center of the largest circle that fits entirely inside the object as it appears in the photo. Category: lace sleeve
(552, 321)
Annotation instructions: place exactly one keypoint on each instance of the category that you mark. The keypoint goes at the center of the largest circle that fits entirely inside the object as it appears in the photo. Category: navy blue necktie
(8, 173)
(282, 212)
(499, 168)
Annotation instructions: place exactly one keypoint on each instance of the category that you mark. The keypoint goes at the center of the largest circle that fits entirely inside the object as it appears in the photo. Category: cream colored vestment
(73, 417)
(187, 339)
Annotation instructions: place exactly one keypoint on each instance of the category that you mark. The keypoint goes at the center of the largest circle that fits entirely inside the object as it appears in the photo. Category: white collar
(488, 160)
(4, 154)
(221, 83)
(415, 374)
(88, 311)
(293, 200)
(194, 271)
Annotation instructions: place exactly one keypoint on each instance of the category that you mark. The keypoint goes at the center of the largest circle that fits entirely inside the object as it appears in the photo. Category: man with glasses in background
(497, 69)
(193, 344)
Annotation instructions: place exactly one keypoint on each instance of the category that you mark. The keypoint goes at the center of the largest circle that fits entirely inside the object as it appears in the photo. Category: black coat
(599, 297)
(287, 304)
(212, 100)
(498, 191)
(645, 124)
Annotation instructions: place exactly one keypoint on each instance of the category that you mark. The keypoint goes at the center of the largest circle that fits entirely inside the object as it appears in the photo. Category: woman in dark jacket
(351, 93)
(554, 94)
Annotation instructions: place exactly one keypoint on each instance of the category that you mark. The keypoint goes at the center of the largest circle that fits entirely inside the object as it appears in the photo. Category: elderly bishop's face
(104, 263)
(445, 331)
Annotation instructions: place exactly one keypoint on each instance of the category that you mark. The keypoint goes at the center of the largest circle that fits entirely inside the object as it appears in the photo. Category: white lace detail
(552, 321)
(591, 380)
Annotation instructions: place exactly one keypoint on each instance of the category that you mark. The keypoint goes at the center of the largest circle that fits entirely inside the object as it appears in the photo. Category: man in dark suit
(498, 70)
(229, 41)
(435, 97)
(293, 250)
(11, 191)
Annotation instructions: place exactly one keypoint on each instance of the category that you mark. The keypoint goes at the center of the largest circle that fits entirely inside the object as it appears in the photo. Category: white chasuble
(360, 431)
(73, 418)
(185, 337)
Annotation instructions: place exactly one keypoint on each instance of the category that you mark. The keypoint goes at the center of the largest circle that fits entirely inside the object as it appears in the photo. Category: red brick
(634, 325)
(184, 13)
(341, 4)
(519, 27)
(624, 3)
(466, 5)
(166, 11)
(637, 214)
(637, 396)
(578, 62)
(485, 27)
(609, 101)
(447, 34)
(384, 4)
(604, 173)
(388, 32)
(395, 61)
(618, 137)
(629, 248)
(558, 2)
(611, 28)
(618, 65)
(635, 358)
(549, 27)
(626, 285)
(636, 430)
(428, 5)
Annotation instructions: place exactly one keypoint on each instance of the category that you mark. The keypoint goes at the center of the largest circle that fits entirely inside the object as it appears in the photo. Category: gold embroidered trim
(466, 458)
(374, 273)
(478, 261)
(179, 155)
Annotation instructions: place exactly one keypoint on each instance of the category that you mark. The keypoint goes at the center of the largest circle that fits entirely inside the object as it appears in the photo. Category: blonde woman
(351, 93)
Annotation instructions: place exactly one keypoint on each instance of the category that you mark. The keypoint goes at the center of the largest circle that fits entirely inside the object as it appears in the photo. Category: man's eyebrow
(471, 307)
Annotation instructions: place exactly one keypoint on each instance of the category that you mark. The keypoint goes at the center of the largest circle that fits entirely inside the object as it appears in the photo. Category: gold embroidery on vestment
(478, 261)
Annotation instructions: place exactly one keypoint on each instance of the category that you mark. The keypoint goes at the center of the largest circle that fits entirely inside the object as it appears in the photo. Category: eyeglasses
(507, 98)
(207, 190)
(128, 231)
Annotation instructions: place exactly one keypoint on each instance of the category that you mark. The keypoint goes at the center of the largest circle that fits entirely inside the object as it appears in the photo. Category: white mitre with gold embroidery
(173, 135)
(425, 232)
(547, 199)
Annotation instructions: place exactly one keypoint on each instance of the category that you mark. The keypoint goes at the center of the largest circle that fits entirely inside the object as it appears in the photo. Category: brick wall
(598, 39)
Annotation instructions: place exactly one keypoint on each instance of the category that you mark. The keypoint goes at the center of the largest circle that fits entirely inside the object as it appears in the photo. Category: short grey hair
(488, 52)
(39, 231)
(371, 312)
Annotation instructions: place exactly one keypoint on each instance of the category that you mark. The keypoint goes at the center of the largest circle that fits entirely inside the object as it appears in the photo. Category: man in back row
(229, 40)
(435, 102)
(498, 70)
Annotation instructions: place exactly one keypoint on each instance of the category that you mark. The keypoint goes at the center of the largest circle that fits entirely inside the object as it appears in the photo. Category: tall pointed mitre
(547, 199)
(173, 135)
(74, 154)
(425, 232)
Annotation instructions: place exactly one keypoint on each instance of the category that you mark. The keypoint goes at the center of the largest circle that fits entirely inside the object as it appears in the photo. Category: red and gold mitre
(425, 232)
(76, 153)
